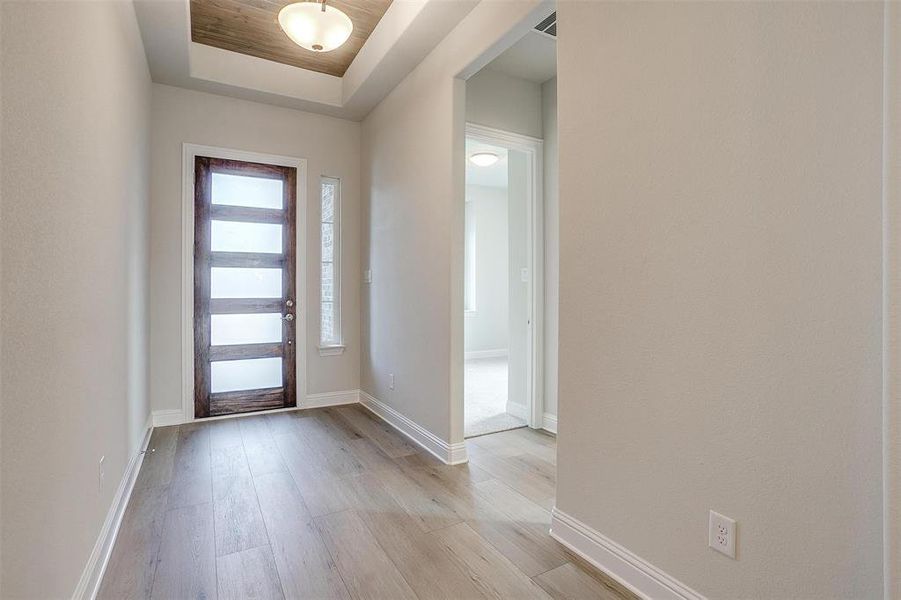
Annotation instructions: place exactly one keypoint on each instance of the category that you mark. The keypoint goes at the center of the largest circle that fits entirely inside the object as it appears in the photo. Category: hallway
(333, 503)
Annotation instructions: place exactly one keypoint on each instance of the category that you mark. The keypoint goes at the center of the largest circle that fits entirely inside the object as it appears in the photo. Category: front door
(244, 286)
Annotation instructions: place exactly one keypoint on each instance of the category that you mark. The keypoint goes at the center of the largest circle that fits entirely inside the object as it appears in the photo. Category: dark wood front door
(244, 286)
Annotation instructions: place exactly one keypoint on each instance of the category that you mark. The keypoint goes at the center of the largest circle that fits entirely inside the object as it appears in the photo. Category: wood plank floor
(333, 503)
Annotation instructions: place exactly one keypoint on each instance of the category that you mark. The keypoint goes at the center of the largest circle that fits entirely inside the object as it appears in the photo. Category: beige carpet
(485, 397)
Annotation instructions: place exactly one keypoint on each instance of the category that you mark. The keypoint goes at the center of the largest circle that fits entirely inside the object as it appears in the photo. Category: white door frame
(189, 151)
(532, 147)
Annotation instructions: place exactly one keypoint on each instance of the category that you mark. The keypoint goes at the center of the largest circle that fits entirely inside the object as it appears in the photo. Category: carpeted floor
(485, 397)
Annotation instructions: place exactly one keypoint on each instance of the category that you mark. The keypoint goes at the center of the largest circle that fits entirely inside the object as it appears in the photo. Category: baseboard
(89, 584)
(498, 353)
(456, 454)
(331, 399)
(635, 573)
(452, 454)
(165, 418)
(549, 422)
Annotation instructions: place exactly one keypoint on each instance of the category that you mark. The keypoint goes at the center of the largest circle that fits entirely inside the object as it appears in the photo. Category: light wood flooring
(334, 503)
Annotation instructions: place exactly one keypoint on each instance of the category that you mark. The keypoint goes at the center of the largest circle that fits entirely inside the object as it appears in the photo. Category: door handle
(288, 317)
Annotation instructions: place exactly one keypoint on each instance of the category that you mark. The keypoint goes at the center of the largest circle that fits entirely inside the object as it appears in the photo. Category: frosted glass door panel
(250, 374)
(229, 282)
(265, 328)
(239, 190)
(235, 236)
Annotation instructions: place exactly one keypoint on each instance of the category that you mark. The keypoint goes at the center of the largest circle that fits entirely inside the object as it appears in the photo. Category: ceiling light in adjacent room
(315, 26)
(483, 159)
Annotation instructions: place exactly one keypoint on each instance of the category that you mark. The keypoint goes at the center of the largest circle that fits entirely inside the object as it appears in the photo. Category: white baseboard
(452, 454)
(164, 418)
(456, 454)
(498, 353)
(92, 576)
(635, 573)
(549, 422)
(331, 399)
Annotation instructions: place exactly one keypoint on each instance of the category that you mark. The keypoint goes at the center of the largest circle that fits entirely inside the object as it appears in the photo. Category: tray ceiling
(251, 27)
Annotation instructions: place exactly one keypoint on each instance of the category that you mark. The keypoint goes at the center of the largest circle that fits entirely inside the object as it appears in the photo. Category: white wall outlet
(367, 276)
(524, 274)
(391, 381)
(722, 534)
(100, 473)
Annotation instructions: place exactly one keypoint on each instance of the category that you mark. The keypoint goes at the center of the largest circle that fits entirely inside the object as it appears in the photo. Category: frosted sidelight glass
(328, 242)
(330, 267)
(327, 321)
(228, 282)
(249, 374)
(328, 282)
(240, 190)
(235, 236)
(262, 328)
(329, 191)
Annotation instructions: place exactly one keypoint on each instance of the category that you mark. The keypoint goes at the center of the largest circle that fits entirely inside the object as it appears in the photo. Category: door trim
(532, 148)
(189, 152)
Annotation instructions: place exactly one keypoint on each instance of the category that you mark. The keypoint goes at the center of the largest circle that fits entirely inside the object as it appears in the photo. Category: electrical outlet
(722, 532)
(100, 473)
(367, 276)
(391, 381)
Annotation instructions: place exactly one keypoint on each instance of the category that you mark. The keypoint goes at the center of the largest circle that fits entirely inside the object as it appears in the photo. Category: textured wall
(498, 100)
(75, 188)
(720, 288)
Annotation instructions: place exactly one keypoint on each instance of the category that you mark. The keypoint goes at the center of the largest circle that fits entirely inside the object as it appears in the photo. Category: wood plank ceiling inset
(251, 27)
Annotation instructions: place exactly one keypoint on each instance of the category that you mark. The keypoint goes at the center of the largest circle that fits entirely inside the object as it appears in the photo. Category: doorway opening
(243, 277)
(509, 262)
(494, 224)
(502, 263)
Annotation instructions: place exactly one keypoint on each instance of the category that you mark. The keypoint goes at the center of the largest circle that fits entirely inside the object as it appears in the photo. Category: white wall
(498, 100)
(331, 147)
(75, 186)
(486, 327)
(413, 173)
(720, 288)
(551, 242)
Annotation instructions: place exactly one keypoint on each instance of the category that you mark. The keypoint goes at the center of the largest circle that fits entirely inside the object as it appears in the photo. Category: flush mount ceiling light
(483, 159)
(315, 26)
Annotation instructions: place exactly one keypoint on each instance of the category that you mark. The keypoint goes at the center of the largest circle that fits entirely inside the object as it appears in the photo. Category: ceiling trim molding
(242, 70)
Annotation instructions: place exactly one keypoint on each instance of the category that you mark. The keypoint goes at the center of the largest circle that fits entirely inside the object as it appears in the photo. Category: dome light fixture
(483, 159)
(315, 26)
